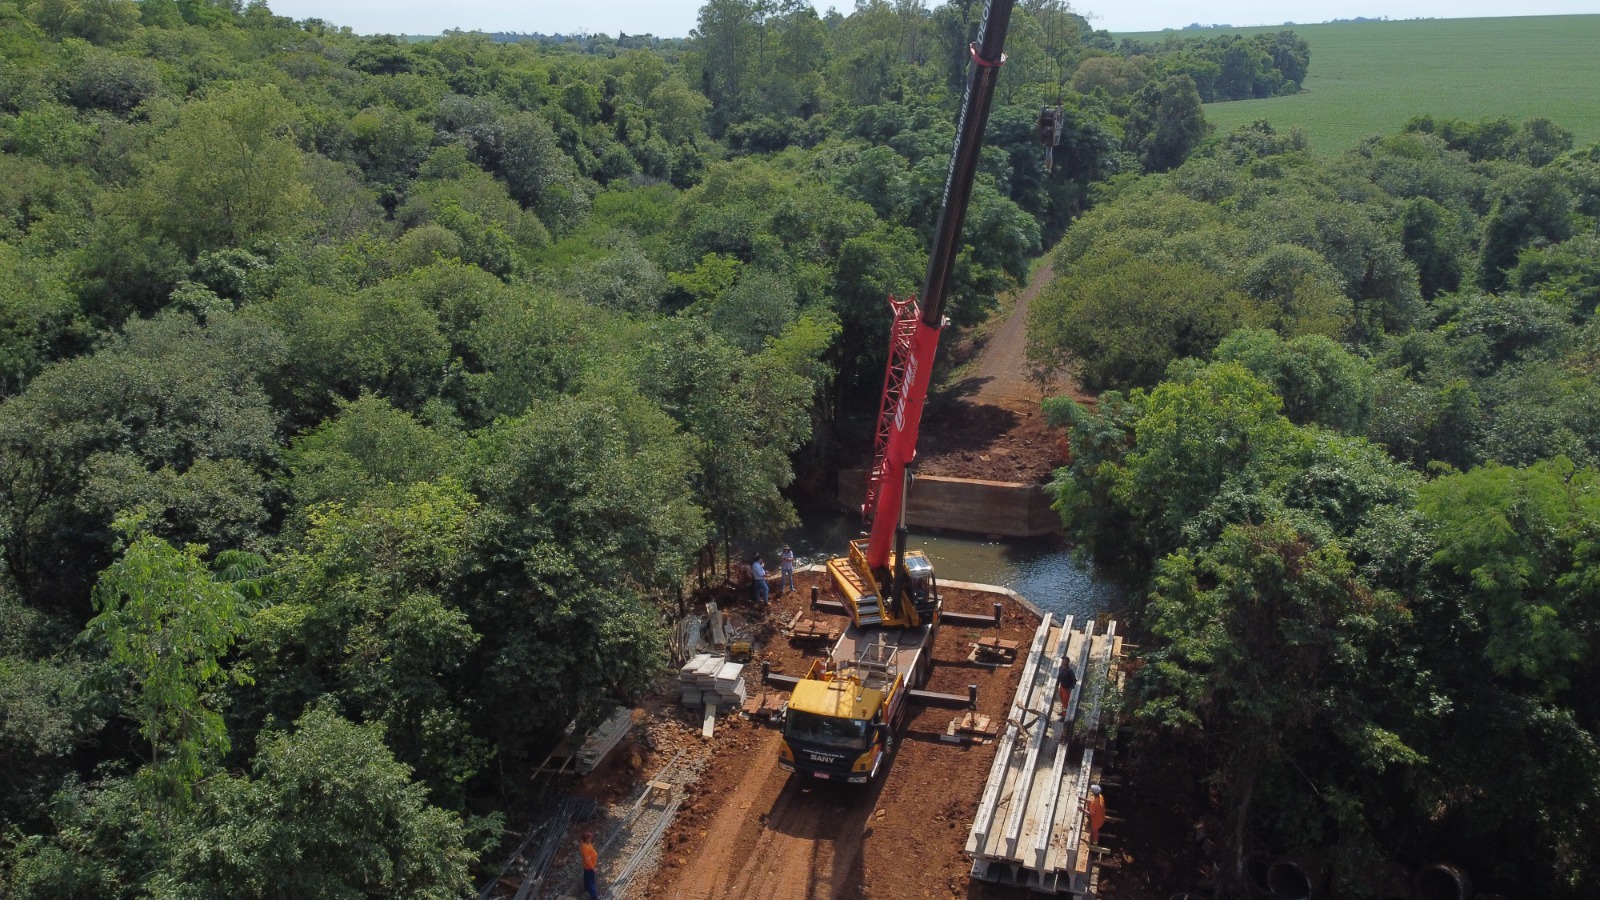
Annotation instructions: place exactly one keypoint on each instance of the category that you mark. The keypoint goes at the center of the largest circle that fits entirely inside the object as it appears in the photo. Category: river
(1040, 569)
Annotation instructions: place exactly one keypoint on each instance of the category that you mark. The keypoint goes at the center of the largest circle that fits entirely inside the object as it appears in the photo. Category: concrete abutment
(965, 505)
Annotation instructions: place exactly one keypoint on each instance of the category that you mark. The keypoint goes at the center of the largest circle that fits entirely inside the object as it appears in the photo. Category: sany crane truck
(842, 716)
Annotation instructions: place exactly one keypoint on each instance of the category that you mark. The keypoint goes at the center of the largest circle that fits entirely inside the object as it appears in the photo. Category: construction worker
(758, 576)
(786, 566)
(1095, 806)
(591, 860)
(1065, 682)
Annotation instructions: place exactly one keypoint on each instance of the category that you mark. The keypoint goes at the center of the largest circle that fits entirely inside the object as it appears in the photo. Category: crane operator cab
(920, 588)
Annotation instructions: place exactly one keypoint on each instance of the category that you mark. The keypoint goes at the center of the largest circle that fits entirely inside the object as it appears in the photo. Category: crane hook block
(1050, 121)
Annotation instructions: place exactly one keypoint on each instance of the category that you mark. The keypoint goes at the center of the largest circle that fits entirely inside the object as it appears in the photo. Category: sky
(674, 18)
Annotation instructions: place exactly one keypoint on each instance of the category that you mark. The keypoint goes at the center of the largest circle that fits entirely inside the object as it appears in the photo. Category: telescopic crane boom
(880, 582)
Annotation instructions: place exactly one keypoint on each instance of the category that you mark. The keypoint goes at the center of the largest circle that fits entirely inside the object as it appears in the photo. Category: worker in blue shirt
(758, 574)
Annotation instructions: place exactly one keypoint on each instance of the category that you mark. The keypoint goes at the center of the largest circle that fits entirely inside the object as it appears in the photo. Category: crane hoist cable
(1052, 118)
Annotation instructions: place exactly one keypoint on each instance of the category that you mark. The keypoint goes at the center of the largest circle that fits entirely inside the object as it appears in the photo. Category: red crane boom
(913, 343)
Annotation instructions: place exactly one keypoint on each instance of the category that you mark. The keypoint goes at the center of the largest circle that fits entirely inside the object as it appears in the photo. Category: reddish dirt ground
(963, 439)
(752, 830)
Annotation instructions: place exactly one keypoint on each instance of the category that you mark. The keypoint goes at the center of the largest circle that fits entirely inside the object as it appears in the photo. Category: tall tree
(1277, 654)
(169, 622)
(228, 172)
(1529, 208)
(328, 813)
(1165, 123)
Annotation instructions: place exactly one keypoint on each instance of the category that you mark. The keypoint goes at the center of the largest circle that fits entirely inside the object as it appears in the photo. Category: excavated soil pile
(988, 424)
(965, 439)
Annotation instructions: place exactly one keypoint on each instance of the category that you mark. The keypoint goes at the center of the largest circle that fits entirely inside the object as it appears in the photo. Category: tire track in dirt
(708, 874)
(779, 838)
(784, 866)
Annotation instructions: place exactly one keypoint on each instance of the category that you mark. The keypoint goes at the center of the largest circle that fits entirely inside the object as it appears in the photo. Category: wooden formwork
(1029, 826)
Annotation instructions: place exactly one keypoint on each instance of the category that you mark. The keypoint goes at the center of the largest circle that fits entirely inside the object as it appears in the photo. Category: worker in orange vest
(1095, 806)
(591, 860)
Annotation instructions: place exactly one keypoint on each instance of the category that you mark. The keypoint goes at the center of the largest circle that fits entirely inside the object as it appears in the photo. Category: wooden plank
(975, 724)
(994, 650)
(805, 629)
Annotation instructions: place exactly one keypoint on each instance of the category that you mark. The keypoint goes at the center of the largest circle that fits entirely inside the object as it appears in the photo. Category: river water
(1040, 569)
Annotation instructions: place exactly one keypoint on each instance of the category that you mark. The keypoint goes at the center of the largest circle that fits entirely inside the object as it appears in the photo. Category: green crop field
(1372, 76)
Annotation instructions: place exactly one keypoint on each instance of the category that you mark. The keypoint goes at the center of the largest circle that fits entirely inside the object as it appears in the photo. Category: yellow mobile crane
(842, 716)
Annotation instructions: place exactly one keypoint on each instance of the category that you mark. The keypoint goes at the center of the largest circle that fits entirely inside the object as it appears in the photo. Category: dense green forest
(1348, 455)
(369, 407)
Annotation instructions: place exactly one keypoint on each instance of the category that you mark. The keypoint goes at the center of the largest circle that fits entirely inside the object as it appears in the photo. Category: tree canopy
(356, 390)
(1344, 458)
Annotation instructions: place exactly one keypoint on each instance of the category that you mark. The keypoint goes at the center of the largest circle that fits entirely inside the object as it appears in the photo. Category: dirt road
(777, 838)
(1001, 372)
(987, 423)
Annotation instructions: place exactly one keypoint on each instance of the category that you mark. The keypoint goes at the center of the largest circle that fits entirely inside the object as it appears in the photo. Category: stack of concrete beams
(1029, 823)
(600, 741)
(710, 680)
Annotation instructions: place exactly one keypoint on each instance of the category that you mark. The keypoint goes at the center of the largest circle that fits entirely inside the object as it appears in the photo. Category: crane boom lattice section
(896, 380)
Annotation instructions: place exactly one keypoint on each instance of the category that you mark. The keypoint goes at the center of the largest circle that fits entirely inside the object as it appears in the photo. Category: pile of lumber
(802, 629)
(710, 680)
(994, 651)
(765, 706)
